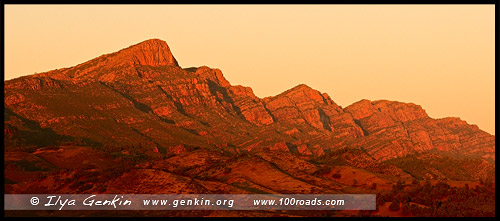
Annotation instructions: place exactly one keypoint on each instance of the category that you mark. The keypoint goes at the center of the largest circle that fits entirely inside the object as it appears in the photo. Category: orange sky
(438, 56)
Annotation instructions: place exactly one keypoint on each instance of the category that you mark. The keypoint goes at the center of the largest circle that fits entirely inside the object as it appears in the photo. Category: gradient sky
(438, 56)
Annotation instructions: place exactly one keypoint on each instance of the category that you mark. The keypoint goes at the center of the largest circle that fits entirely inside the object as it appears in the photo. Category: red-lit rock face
(134, 121)
(152, 52)
(396, 129)
(141, 95)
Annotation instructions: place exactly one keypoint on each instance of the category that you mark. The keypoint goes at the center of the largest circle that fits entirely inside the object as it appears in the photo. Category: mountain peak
(303, 93)
(154, 52)
(151, 42)
(302, 87)
(299, 88)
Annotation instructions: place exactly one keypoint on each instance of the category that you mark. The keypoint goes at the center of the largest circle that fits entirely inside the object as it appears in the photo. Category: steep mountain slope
(138, 105)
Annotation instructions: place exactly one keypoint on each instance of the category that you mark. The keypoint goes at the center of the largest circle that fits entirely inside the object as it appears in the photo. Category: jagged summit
(301, 93)
(153, 41)
(300, 87)
(154, 52)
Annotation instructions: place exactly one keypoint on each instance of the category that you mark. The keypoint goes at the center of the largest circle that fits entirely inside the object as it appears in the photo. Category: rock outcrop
(394, 129)
(303, 105)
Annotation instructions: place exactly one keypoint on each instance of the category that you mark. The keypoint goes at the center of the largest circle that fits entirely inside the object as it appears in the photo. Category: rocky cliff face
(152, 52)
(303, 105)
(395, 129)
(141, 96)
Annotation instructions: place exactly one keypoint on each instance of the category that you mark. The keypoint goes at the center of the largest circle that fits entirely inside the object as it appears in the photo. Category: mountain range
(190, 128)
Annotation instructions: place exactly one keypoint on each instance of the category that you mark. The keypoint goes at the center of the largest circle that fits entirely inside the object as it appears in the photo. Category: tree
(414, 181)
(399, 186)
(404, 197)
(394, 205)
(481, 181)
(388, 197)
(394, 189)
(379, 199)
(427, 186)
(405, 209)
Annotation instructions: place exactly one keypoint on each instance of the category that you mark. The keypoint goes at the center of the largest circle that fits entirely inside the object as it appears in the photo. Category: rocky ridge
(141, 96)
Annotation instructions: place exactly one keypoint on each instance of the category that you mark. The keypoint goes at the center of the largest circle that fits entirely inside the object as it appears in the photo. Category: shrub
(102, 188)
(87, 186)
(75, 185)
(323, 170)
